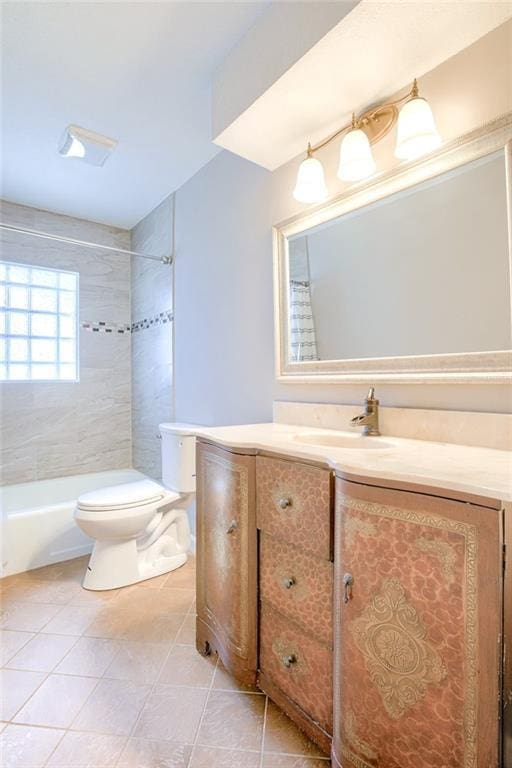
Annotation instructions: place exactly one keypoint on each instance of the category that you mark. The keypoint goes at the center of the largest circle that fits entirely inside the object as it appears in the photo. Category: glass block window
(38, 323)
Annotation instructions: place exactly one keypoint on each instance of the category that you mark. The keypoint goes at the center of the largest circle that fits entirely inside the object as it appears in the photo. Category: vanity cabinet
(372, 613)
(227, 559)
(417, 628)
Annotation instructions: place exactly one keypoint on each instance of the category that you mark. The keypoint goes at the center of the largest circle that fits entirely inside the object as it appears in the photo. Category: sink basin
(340, 440)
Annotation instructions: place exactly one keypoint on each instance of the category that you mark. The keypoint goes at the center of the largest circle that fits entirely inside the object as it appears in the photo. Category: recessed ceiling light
(91, 147)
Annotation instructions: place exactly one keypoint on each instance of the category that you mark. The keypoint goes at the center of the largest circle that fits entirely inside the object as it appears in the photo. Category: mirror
(408, 280)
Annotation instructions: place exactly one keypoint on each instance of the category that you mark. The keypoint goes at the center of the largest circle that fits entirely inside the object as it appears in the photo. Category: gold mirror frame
(448, 368)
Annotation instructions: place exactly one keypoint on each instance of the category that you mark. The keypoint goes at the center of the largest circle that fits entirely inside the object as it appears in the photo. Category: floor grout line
(40, 632)
(67, 729)
(151, 690)
(105, 605)
(203, 713)
(128, 736)
(10, 658)
(52, 671)
(263, 731)
(47, 675)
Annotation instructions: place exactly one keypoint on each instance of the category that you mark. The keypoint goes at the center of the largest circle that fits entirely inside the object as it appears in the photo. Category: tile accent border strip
(103, 327)
(100, 326)
(148, 322)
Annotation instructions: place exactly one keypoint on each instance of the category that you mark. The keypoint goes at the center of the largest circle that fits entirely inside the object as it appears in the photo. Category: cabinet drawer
(298, 665)
(294, 503)
(298, 585)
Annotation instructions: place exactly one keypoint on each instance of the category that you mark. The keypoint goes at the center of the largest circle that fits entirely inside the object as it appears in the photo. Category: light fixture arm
(366, 118)
(325, 142)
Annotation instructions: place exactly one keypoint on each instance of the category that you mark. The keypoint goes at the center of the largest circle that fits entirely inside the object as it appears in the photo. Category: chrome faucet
(370, 418)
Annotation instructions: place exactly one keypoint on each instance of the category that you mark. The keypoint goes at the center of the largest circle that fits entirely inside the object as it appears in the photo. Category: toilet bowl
(141, 529)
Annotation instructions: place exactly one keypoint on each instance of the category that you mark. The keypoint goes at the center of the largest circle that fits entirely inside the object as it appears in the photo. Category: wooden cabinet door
(418, 633)
(226, 559)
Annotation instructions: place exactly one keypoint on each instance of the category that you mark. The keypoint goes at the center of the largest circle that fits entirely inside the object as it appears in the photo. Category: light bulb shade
(310, 186)
(416, 131)
(356, 158)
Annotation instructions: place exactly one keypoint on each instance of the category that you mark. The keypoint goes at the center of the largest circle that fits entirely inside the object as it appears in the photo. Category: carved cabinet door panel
(417, 606)
(226, 558)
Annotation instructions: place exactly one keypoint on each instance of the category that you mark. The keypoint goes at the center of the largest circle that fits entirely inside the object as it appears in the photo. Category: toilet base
(118, 564)
(160, 548)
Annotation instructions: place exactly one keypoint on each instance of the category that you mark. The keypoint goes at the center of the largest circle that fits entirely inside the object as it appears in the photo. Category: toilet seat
(125, 497)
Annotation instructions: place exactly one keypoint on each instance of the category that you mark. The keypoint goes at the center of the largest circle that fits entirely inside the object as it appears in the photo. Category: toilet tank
(178, 457)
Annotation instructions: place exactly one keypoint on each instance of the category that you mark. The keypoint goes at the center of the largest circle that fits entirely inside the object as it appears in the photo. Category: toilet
(141, 529)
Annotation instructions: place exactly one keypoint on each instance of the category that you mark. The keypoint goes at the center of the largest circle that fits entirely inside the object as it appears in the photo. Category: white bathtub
(37, 519)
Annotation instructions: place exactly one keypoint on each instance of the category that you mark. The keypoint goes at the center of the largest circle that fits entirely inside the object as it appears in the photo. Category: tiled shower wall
(151, 338)
(51, 429)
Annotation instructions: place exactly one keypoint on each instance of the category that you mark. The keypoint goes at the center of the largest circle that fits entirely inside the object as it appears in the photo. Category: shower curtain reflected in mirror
(302, 324)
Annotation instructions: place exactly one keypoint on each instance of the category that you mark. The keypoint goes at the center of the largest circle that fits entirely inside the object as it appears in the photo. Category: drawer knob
(232, 528)
(288, 661)
(348, 581)
(284, 503)
(289, 582)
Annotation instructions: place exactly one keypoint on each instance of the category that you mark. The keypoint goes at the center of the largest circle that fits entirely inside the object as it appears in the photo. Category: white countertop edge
(485, 472)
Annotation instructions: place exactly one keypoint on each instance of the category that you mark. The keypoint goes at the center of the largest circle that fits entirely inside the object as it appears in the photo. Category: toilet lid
(125, 495)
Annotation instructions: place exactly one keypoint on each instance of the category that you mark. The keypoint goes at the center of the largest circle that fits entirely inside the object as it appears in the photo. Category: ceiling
(142, 72)
(137, 72)
(370, 54)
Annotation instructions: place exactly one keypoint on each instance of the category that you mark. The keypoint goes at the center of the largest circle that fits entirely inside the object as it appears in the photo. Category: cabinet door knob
(289, 582)
(289, 660)
(232, 528)
(284, 503)
(348, 581)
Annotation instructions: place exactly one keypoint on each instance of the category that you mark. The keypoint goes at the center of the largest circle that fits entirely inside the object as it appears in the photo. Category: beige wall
(50, 429)
(224, 312)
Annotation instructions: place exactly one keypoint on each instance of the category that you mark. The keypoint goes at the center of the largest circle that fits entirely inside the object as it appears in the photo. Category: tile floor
(113, 680)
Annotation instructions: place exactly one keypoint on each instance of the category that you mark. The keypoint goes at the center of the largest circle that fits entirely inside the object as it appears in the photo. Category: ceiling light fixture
(416, 136)
(91, 147)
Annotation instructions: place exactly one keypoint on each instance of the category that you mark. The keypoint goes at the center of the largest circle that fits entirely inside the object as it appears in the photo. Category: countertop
(480, 471)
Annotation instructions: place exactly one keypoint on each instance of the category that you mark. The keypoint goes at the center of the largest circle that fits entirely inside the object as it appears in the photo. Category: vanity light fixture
(416, 135)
